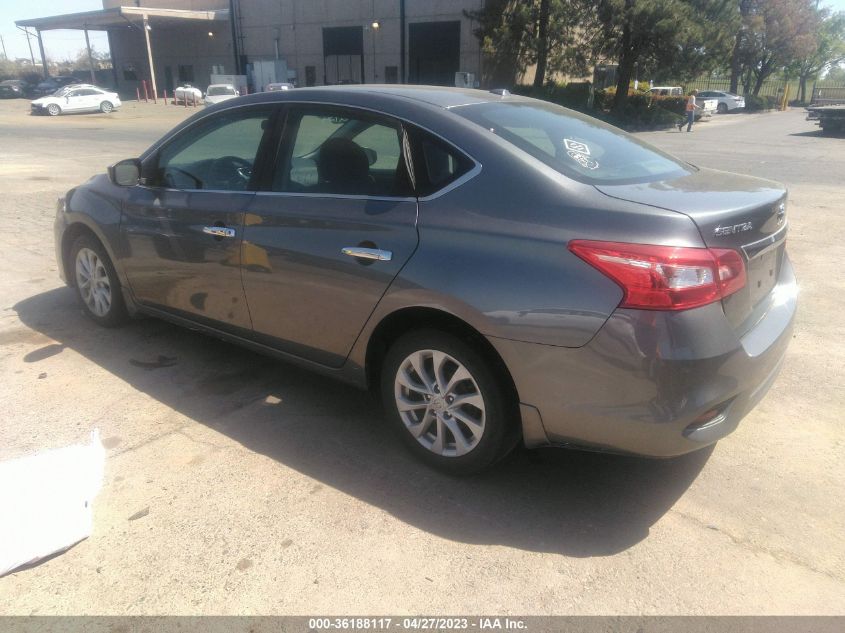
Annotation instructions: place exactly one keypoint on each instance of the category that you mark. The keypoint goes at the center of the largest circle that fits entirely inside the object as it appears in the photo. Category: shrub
(642, 110)
(573, 95)
(678, 105)
(758, 104)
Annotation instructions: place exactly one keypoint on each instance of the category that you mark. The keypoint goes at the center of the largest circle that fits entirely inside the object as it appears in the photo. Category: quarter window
(341, 152)
(436, 164)
(220, 154)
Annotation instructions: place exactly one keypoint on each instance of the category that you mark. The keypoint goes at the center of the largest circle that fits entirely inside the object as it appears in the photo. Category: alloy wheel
(440, 403)
(92, 279)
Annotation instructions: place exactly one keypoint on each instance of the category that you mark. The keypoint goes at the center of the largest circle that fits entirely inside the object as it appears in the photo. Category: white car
(187, 93)
(667, 91)
(708, 107)
(274, 87)
(76, 98)
(725, 101)
(218, 93)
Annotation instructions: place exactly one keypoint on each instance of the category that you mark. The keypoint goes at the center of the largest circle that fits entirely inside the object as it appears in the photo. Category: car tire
(426, 410)
(722, 108)
(54, 110)
(96, 282)
(106, 107)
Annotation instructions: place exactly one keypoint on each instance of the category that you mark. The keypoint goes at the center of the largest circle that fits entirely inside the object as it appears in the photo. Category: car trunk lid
(731, 211)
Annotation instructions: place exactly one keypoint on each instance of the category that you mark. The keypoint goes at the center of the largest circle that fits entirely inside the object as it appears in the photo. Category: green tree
(836, 74)
(678, 37)
(746, 7)
(516, 34)
(774, 35)
(827, 53)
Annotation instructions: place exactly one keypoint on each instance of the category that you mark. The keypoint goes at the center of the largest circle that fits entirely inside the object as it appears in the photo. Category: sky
(58, 45)
(62, 44)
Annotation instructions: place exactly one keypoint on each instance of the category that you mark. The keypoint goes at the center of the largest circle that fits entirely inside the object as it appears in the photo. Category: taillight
(665, 277)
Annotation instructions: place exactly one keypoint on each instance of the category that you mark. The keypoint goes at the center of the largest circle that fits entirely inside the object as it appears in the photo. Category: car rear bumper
(654, 383)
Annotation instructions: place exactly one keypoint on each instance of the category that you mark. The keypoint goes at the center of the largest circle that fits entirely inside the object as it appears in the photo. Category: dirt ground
(238, 485)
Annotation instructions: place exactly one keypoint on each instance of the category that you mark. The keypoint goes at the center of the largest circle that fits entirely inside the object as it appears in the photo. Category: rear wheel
(447, 403)
(106, 107)
(97, 285)
(54, 110)
(722, 108)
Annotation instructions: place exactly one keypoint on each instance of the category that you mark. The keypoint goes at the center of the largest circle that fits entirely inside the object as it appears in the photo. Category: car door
(182, 230)
(337, 224)
(74, 101)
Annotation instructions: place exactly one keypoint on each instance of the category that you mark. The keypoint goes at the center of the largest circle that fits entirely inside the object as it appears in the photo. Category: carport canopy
(117, 17)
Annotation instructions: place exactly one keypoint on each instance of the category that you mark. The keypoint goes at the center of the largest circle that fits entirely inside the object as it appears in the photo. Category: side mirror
(126, 173)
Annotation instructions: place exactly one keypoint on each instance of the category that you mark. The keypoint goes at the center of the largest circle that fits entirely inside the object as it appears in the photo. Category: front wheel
(449, 406)
(53, 110)
(722, 108)
(106, 107)
(97, 285)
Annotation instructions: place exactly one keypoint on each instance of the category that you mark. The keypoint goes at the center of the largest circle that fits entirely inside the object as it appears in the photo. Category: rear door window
(341, 152)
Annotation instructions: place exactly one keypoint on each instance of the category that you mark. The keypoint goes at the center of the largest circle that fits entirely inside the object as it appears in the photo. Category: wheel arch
(73, 232)
(404, 320)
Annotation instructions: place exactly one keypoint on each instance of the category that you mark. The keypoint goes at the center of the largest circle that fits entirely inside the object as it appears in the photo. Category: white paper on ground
(46, 501)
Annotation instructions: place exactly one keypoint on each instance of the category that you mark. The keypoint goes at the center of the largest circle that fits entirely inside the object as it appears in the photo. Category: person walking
(691, 107)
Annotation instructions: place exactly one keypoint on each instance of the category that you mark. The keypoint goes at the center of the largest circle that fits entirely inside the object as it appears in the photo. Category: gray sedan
(498, 269)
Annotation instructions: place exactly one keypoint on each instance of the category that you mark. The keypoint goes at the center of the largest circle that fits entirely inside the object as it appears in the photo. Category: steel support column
(44, 68)
(150, 56)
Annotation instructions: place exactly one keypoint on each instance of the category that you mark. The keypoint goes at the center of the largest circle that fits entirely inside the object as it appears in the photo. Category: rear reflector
(665, 277)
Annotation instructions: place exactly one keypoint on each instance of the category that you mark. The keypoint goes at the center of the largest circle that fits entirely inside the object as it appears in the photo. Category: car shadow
(820, 133)
(568, 502)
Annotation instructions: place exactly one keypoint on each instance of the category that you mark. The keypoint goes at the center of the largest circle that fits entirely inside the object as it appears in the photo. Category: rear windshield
(574, 144)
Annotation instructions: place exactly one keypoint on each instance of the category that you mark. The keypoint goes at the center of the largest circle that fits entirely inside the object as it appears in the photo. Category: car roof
(443, 97)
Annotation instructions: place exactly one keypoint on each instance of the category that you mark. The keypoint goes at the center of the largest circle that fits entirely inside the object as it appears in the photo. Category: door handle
(218, 231)
(367, 253)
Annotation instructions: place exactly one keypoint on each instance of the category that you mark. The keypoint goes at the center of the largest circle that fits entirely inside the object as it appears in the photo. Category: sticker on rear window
(580, 153)
(576, 146)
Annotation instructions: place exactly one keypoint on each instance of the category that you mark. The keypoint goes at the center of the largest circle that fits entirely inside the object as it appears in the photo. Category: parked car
(667, 91)
(709, 107)
(51, 84)
(15, 88)
(725, 101)
(273, 87)
(217, 93)
(499, 269)
(77, 98)
(187, 93)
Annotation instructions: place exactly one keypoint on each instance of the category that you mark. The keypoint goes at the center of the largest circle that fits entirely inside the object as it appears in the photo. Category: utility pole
(90, 58)
(4, 47)
(31, 56)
